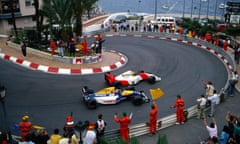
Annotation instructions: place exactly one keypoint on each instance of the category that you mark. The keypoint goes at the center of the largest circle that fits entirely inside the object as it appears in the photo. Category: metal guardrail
(143, 128)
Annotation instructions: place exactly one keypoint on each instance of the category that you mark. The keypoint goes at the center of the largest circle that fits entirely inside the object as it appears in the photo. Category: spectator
(232, 82)
(99, 41)
(236, 131)
(238, 53)
(24, 48)
(201, 106)
(64, 139)
(231, 122)
(225, 45)
(69, 125)
(100, 127)
(53, 46)
(153, 118)
(28, 139)
(209, 88)
(90, 137)
(124, 122)
(84, 46)
(179, 104)
(69, 138)
(224, 135)
(72, 48)
(60, 47)
(55, 137)
(235, 53)
(3, 138)
(42, 137)
(25, 127)
(212, 128)
(213, 100)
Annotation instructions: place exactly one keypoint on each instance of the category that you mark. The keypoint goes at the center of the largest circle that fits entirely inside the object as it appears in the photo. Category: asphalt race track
(49, 98)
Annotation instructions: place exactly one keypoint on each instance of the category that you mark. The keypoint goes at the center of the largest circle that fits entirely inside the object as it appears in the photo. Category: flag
(38, 127)
(156, 93)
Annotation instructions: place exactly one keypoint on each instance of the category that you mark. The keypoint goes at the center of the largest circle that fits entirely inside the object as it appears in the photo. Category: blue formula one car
(112, 95)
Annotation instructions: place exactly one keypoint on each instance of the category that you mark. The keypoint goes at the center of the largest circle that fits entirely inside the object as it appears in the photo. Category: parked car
(113, 95)
(130, 78)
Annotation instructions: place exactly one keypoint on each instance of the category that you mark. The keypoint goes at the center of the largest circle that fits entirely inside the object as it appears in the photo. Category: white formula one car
(130, 78)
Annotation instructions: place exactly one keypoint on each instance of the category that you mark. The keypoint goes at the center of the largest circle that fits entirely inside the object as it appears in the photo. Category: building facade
(24, 12)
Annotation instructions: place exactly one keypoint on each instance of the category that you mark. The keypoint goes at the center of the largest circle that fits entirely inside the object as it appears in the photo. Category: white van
(165, 20)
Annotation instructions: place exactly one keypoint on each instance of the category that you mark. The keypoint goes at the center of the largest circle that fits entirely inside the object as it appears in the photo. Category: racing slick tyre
(117, 84)
(137, 100)
(130, 88)
(151, 80)
(92, 104)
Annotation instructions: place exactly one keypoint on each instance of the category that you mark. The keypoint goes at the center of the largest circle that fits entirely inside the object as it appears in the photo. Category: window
(28, 2)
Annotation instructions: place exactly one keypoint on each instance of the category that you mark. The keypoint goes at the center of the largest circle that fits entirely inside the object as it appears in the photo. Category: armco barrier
(141, 129)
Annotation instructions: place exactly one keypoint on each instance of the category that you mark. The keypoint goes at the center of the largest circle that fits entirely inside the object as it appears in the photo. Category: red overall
(153, 119)
(53, 46)
(225, 45)
(179, 104)
(124, 122)
(84, 49)
(24, 127)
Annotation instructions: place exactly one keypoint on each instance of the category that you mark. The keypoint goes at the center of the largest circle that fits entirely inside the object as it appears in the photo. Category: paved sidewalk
(110, 60)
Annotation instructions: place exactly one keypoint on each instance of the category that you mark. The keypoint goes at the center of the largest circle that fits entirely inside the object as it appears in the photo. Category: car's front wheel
(151, 80)
(137, 100)
(92, 104)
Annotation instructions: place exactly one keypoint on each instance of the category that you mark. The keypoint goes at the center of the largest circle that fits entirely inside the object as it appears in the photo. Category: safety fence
(143, 128)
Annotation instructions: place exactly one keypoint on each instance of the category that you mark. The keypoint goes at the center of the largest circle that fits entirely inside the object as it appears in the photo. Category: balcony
(9, 15)
(6, 6)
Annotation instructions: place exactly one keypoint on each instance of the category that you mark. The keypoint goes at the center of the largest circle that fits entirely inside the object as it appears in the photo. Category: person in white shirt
(201, 106)
(69, 138)
(212, 128)
(214, 100)
(90, 137)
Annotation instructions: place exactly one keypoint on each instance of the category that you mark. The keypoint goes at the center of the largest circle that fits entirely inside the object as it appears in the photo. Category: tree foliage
(66, 12)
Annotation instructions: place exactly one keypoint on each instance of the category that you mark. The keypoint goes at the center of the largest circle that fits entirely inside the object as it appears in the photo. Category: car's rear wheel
(92, 104)
(137, 100)
(151, 80)
(130, 88)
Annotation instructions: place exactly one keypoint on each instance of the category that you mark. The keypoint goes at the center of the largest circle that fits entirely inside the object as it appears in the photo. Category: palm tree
(215, 12)
(66, 12)
(155, 13)
(58, 12)
(13, 18)
(89, 5)
(191, 8)
(79, 7)
(200, 6)
(38, 25)
(183, 8)
(208, 8)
